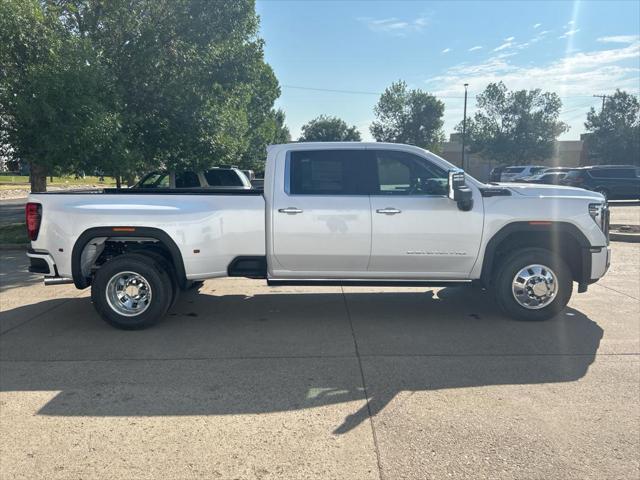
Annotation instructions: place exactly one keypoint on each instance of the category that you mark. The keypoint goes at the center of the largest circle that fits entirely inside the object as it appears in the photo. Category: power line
(362, 92)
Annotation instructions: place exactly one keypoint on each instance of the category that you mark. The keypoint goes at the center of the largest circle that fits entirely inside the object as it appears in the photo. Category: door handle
(389, 211)
(290, 210)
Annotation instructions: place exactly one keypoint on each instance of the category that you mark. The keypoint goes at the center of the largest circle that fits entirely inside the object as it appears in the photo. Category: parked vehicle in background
(553, 178)
(496, 173)
(250, 174)
(615, 182)
(331, 213)
(516, 173)
(217, 177)
(258, 183)
(558, 169)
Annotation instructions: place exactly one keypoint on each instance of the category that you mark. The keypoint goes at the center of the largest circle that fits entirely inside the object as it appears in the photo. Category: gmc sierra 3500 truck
(331, 213)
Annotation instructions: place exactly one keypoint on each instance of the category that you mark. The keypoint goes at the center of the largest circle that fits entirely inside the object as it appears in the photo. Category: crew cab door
(321, 220)
(417, 231)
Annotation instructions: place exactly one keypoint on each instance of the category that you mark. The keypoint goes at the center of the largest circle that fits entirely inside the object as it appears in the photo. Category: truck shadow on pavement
(277, 352)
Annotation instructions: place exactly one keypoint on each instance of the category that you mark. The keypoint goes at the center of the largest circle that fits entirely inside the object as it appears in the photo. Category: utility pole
(464, 125)
(603, 97)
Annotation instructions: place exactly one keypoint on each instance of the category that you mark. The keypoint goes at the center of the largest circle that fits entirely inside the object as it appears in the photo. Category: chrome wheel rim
(128, 293)
(535, 286)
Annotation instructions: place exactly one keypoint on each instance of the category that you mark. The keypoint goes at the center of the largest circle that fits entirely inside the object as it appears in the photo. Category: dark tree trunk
(38, 178)
(118, 181)
(131, 180)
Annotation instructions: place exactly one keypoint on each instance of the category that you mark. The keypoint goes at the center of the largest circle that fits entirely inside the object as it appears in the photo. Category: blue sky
(575, 48)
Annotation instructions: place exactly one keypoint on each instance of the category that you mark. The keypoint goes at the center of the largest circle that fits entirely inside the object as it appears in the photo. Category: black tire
(152, 272)
(171, 271)
(513, 264)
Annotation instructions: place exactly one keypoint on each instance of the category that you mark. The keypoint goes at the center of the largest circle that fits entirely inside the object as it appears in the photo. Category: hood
(558, 191)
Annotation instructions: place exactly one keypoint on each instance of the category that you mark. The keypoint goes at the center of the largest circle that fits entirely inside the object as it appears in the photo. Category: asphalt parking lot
(243, 381)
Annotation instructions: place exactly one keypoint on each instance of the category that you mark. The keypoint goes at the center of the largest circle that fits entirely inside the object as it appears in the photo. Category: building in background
(567, 153)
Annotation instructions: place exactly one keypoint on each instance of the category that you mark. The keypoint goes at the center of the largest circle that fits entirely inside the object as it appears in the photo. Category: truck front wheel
(131, 291)
(533, 284)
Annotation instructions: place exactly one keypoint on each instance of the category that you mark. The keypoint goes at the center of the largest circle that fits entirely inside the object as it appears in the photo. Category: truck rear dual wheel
(533, 284)
(132, 291)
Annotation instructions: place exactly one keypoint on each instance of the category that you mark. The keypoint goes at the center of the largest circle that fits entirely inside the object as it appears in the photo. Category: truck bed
(209, 227)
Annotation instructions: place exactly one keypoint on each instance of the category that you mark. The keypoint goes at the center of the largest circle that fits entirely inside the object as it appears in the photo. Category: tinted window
(514, 170)
(223, 178)
(155, 180)
(327, 172)
(612, 173)
(574, 174)
(187, 180)
(401, 173)
(535, 170)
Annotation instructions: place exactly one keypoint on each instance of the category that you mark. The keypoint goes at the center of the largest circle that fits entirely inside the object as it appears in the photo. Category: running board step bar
(365, 283)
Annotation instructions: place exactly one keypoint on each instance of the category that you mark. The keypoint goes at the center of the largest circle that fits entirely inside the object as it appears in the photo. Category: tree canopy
(514, 127)
(409, 116)
(328, 129)
(614, 132)
(126, 85)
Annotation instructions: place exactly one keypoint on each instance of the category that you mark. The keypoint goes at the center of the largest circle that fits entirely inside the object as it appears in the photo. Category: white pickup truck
(330, 213)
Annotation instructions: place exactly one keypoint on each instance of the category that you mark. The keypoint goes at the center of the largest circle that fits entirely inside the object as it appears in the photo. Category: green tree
(51, 92)
(614, 133)
(408, 116)
(515, 127)
(128, 85)
(328, 129)
(269, 131)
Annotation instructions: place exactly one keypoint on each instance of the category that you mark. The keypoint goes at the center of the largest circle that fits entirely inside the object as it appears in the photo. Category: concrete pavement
(243, 381)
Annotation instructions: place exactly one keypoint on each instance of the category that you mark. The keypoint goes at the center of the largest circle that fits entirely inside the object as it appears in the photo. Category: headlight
(600, 214)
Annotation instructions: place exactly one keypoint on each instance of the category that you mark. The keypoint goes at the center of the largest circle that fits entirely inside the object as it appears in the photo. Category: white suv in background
(513, 174)
(229, 178)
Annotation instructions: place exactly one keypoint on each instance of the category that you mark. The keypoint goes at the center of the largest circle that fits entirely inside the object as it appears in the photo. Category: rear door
(417, 231)
(322, 218)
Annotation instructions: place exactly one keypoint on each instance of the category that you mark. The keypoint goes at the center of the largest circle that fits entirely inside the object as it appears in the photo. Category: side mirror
(458, 190)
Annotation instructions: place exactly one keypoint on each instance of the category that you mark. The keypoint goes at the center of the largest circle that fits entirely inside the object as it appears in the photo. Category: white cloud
(477, 47)
(537, 25)
(446, 50)
(574, 78)
(619, 39)
(509, 39)
(569, 33)
(395, 26)
(503, 46)
(579, 74)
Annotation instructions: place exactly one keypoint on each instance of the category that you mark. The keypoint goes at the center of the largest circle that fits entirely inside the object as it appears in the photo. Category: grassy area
(13, 233)
(57, 181)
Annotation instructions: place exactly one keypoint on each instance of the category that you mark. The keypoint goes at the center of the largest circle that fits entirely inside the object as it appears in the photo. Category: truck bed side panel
(209, 230)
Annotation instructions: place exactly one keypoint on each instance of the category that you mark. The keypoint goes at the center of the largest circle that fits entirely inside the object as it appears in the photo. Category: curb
(14, 246)
(624, 237)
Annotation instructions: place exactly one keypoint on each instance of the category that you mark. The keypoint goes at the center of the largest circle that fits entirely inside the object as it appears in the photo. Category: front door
(417, 231)
(322, 219)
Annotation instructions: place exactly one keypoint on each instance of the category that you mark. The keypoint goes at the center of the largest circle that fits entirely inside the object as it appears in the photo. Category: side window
(156, 180)
(223, 178)
(401, 173)
(187, 180)
(327, 172)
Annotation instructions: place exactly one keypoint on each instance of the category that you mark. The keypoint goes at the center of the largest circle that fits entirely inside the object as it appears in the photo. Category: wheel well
(97, 246)
(558, 241)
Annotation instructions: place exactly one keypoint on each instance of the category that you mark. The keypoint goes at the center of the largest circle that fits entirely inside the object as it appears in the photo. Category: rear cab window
(327, 172)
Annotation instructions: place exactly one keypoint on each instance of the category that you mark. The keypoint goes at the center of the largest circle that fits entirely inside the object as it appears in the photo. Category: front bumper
(600, 262)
